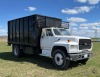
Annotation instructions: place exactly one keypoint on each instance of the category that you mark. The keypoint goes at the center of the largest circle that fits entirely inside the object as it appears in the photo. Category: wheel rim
(59, 59)
(15, 51)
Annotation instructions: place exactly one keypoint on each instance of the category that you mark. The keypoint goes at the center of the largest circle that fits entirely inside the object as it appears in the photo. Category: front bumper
(80, 56)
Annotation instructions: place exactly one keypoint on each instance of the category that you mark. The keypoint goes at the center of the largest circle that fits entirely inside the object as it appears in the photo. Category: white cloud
(93, 1)
(77, 10)
(84, 28)
(89, 1)
(82, 1)
(98, 28)
(74, 29)
(93, 27)
(85, 33)
(3, 30)
(69, 11)
(73, 24)
(91, 24)
(76, 19)
(30, 9)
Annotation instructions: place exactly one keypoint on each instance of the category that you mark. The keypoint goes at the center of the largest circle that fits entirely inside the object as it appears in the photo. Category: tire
(16, 51)
(60, 60)
(84, 61)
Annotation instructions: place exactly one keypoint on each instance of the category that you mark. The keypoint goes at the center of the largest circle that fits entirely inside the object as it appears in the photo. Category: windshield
(61, 31)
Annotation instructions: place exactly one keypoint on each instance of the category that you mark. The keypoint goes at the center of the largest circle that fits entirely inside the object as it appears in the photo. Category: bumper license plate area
(86, 56)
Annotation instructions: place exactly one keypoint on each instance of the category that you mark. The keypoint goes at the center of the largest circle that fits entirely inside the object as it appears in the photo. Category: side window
(49, 32)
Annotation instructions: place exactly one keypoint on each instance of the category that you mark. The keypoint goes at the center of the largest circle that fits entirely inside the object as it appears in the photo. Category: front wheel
(60, 60)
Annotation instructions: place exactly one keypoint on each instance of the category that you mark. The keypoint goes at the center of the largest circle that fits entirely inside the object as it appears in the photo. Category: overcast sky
(83, 15)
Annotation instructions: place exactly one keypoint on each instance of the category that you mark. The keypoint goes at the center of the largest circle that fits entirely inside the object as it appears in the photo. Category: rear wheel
(16, 51)
(60, 60)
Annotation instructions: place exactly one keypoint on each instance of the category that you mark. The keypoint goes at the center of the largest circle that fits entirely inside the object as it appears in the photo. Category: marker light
(69, 40)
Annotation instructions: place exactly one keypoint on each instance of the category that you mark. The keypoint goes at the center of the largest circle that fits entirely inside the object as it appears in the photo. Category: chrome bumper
(80, 56)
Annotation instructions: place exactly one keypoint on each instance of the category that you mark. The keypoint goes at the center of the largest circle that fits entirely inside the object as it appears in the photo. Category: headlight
(74, 47)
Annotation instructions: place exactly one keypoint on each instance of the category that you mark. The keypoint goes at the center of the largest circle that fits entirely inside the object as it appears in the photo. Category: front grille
(84, 44)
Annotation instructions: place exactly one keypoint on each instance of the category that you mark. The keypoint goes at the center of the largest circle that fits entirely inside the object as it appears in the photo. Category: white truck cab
(58, 44)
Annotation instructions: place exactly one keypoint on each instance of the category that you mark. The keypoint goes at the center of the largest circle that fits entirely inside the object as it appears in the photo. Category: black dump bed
(27, 30)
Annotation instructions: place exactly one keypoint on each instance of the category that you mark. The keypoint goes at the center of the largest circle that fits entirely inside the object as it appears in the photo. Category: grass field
(33, 66)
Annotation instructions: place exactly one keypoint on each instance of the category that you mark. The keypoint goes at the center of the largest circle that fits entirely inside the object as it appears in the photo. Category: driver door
(47, 39)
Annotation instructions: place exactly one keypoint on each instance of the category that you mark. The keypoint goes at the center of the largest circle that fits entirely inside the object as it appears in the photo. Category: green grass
(33, 66)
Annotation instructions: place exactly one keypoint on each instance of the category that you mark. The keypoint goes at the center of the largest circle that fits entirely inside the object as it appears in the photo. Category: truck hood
(72, 38)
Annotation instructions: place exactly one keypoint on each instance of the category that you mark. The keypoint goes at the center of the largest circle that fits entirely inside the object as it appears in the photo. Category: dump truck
(45, 36)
